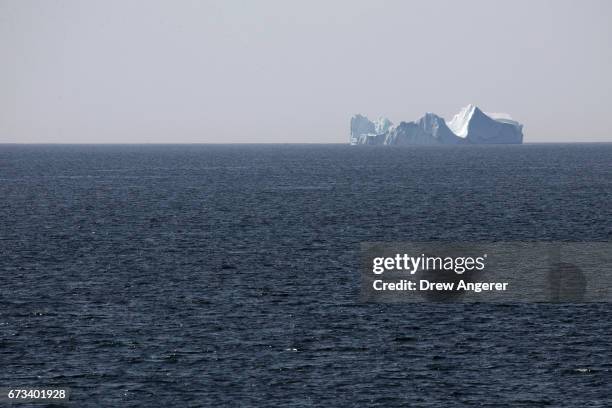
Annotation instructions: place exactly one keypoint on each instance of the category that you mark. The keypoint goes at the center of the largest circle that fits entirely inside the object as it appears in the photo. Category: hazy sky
(295, 71)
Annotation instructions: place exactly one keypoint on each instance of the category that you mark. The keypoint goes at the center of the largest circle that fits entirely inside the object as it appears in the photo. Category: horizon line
(266, 143)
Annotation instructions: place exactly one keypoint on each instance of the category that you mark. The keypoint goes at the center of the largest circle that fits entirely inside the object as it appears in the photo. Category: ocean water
(227, 275)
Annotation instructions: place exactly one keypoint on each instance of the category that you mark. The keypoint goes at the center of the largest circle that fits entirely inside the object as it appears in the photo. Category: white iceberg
(470, 126)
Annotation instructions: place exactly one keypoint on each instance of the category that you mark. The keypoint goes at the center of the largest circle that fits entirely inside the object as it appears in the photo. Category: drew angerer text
(425, 285)
(412, 264)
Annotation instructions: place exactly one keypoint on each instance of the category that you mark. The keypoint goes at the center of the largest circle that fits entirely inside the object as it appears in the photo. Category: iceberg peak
(460, 122)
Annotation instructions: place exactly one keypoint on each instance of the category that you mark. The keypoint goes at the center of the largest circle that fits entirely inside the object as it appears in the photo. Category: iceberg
(470, 126)
(362, 129)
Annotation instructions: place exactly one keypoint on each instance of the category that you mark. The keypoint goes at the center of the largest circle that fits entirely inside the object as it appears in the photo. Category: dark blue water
(227, 275)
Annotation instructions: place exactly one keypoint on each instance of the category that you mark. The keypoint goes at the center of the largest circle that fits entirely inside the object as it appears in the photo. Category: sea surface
(227, 275)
